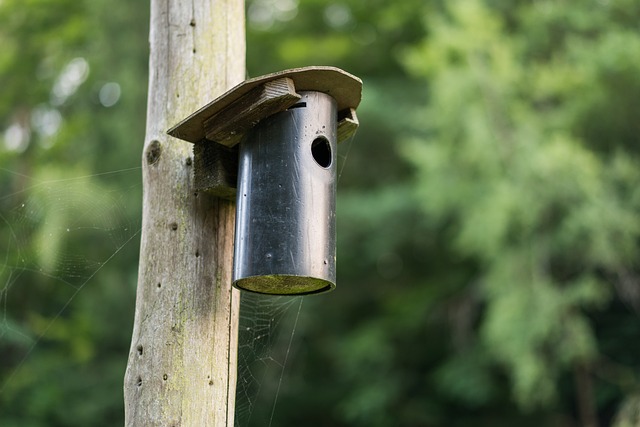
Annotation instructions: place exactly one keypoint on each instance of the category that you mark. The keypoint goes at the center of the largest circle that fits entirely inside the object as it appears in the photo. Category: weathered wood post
(182, 361)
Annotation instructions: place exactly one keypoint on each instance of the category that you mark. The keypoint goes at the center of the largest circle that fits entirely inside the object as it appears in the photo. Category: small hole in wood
(153, 152)
(164, 377)
(140, 350)
(159, 285)
(139, 382)
(197, 254)
(174, 226)
(188, 161)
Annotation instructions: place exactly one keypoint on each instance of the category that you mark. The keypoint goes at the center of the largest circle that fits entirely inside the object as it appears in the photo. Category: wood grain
(229, 126)
(182, 361)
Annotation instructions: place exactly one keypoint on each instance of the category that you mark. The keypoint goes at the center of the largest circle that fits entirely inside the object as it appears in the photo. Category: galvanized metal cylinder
(285, 241)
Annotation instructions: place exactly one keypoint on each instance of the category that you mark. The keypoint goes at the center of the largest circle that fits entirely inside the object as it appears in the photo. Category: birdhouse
(272, 142)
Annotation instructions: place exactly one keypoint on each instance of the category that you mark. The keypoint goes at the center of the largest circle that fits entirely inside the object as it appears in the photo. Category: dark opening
(321, 151)
(298, 105)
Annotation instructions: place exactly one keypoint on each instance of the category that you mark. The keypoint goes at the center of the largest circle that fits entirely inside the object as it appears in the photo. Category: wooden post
(182, 361)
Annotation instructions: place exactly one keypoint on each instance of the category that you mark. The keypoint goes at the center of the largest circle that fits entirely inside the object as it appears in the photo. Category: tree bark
(182, 361)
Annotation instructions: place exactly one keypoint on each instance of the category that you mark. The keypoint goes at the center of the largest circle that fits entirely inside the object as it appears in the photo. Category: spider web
(65, 237)
(65, 234)
(59, 234)
(266, 332)
(266, 344)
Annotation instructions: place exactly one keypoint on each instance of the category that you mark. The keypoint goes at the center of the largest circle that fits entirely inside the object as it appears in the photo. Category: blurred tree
(73, 78)
(487, 214)
(529, 165)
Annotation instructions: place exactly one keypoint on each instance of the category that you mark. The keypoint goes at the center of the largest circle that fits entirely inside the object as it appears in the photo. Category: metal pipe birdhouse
(276, 136)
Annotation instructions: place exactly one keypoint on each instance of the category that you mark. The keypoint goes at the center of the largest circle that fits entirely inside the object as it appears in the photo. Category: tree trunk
(182, 361)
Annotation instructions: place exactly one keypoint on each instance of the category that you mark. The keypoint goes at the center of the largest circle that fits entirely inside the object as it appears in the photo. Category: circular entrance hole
(321, 151)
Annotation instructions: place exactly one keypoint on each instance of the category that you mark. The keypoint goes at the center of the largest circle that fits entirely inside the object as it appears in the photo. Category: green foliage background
(487, 216)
